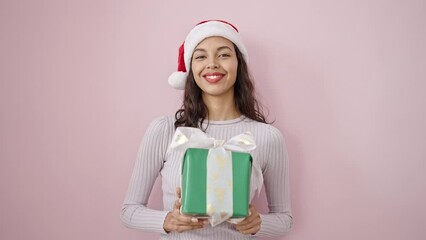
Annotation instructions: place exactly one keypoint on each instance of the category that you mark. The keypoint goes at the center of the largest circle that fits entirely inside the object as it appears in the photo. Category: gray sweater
(154, 158)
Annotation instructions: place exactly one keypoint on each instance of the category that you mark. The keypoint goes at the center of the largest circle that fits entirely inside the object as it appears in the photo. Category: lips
(213, 77)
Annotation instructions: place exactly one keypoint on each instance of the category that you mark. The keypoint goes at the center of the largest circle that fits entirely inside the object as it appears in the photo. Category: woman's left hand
(251, 224)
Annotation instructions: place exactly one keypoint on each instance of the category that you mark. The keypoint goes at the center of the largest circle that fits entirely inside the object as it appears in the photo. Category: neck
(221, 109)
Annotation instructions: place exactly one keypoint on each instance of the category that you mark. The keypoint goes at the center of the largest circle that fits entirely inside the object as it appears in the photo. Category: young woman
(218, 99)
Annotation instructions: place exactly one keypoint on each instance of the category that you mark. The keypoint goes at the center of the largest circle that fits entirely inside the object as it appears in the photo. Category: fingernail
(194, 220)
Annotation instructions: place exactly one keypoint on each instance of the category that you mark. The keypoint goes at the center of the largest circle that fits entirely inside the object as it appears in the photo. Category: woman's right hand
(177, 222)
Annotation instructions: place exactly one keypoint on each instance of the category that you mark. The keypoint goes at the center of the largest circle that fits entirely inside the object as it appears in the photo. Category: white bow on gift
(188, 137)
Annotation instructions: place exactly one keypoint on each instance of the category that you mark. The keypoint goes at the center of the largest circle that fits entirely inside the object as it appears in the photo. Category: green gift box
(194, 182)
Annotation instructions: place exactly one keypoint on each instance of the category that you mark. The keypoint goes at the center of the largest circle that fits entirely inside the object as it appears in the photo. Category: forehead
(214, 42)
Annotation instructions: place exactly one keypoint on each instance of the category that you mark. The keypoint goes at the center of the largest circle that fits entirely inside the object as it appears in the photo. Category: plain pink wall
(344, 80)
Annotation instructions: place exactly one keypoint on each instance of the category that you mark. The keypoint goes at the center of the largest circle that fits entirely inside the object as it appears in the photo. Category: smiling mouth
(213, 78)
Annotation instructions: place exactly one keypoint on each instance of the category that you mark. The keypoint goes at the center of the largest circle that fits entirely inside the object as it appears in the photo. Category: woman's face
(214, 66)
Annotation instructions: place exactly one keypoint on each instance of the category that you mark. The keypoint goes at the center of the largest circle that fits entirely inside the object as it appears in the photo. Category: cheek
(234, 68)
(196, 68)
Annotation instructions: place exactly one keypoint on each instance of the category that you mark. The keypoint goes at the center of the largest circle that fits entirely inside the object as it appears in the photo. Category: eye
(224, 55)
(199, 57)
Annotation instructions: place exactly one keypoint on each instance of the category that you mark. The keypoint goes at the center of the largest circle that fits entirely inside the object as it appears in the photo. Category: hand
(178, 222)
(251, 224)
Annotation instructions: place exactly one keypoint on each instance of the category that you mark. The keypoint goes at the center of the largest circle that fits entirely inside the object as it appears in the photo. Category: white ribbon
(219, 150)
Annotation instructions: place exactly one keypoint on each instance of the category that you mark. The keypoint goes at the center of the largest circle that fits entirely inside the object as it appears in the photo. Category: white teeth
(213, 76)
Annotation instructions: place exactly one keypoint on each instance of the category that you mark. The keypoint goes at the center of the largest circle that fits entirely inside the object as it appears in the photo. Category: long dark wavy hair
(194, 111)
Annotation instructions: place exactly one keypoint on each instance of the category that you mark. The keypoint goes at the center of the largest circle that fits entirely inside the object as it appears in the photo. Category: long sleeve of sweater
(278, 221)
(135, 213)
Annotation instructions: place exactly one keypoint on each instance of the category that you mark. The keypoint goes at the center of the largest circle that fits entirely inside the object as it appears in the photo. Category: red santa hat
(200, 32)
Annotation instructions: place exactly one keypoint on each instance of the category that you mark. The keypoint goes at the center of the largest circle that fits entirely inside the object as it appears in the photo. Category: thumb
(178, 192)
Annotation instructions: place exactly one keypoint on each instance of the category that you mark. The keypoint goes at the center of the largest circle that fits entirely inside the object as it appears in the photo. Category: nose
(212, 64)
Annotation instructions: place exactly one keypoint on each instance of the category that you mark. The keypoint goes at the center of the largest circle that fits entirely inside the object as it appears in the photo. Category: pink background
(344, 80)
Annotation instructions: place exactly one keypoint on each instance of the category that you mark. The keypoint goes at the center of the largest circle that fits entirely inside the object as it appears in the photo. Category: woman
(218, 99)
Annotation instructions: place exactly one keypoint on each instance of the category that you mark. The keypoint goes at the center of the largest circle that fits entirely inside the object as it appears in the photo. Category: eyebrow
(218, 49)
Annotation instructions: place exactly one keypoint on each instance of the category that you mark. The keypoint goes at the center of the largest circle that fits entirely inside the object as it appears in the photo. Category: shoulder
(267, 131)
(162, 122)
(274, 133)
(162, 126)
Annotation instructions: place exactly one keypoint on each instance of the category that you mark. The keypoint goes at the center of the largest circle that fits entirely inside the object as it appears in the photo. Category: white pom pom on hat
(200, 32)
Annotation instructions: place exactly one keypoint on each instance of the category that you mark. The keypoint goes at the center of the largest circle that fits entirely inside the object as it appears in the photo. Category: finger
(252, 230)
(175, 225)
(247, 220)
(253, 221)
(177, 204)
(179, 223)
(178, 192)
(252, 218)
(181, 219)
(184, 219)
(252, 210)
(249, 225)
(191, 224)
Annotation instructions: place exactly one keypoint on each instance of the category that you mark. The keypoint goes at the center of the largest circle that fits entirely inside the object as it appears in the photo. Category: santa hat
(200, 32)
